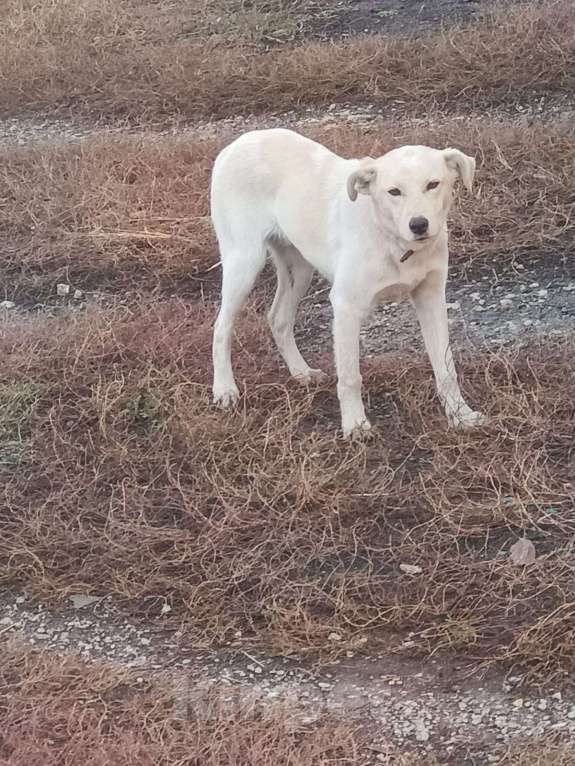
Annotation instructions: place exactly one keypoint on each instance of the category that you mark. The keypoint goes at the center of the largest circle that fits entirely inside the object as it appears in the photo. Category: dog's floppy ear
(462, 164)
(360, 181)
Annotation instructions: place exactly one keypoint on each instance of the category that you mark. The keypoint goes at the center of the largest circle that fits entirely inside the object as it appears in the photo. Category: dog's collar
(407, 255)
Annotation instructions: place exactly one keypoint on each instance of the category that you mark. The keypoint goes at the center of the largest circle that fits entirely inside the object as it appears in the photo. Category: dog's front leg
(430, 305)
(346, 327)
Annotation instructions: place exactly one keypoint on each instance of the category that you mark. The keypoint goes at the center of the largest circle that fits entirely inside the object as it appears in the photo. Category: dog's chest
(396, 291)
(398, 281)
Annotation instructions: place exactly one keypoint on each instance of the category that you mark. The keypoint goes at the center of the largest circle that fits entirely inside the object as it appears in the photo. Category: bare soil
(407, 17)
(256, 559)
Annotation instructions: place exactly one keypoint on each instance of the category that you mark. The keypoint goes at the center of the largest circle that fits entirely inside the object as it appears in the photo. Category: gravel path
(433, 706)
(25, 131)
(485, 314)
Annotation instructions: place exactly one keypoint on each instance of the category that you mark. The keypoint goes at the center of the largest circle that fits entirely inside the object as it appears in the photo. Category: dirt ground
(436, 684)
(388, 16)
(443, 706)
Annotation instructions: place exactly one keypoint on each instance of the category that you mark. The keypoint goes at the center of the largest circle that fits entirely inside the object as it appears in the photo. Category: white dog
(375, 228)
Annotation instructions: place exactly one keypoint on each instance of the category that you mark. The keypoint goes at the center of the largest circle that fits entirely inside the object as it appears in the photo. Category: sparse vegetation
(146, 482)
(61, 712)
(17, 401)
(143, 61)
(118, 477)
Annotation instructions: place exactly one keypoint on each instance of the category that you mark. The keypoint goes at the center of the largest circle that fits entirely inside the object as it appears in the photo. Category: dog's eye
(432, 185)
(394, 192)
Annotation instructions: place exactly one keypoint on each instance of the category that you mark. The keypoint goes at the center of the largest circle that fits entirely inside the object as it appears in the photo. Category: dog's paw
(467, 418)
(310, 377)
(357, 431)
(226, 398)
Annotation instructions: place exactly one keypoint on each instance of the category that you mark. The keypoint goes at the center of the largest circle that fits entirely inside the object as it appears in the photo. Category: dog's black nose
(419, 225)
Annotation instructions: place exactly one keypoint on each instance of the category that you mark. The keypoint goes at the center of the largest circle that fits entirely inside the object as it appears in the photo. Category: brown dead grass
(142, 62)
(264, 522)
(61, 712)
(546, 752)
(132, 213)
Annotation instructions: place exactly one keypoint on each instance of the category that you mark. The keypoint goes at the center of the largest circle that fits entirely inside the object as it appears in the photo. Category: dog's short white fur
(375, 228)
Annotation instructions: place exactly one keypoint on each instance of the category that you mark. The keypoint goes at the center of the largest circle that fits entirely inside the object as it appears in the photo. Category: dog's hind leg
(294, 275)
(240, 269)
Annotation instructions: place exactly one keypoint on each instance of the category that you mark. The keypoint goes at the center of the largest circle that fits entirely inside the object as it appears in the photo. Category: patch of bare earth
(263, 591)
(61, 710)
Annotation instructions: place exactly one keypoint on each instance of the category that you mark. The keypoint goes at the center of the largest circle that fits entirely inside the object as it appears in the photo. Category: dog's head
(412, 188)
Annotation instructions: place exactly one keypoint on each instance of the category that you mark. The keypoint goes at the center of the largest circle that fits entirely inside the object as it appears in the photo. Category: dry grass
(61, 712)
(132, 214)
(264, 522)
(125, 59)
(547, 752)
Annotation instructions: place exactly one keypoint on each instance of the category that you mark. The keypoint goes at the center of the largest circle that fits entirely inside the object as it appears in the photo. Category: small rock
(411, 569)
(542, 704)
(476, 719)
(7, 305)
(506, 303)
(455, 306)
(542, 293)
(62, 289)
(78, 294)
(571, 713)
(80, 601)
(421, 731)
(518, 703)
(522, 553)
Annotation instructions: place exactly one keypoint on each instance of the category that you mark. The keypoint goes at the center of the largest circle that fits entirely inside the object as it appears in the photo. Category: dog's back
(267, 182)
